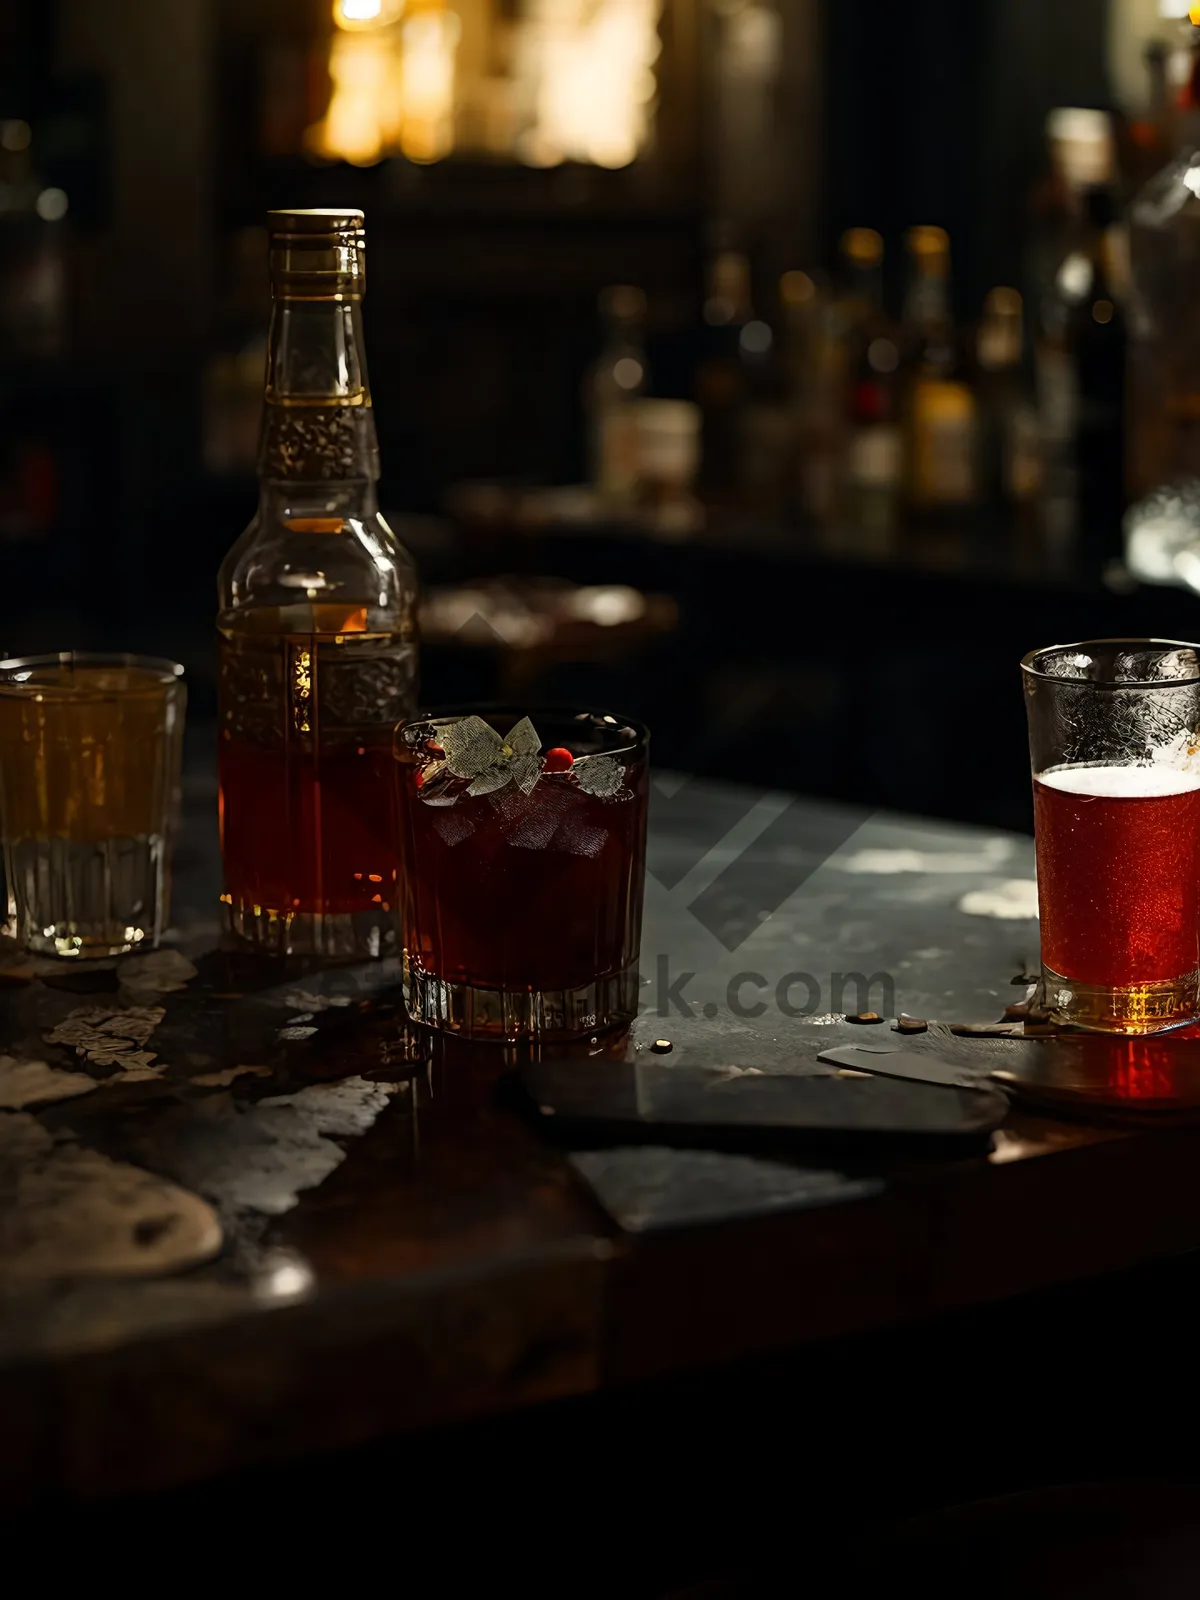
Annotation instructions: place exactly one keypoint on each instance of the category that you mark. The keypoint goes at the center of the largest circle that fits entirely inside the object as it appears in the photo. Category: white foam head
(1122, 783)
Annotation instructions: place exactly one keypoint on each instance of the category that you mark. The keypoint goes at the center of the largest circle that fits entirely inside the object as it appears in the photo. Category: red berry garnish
(434, 749)
(558, 760)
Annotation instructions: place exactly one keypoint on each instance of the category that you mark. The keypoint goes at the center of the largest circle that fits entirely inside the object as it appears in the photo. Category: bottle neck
(624, 334)
(318, 427)
(1000, 343)
(864, 287)
(312, 507)
(928, 308)
(728, 303)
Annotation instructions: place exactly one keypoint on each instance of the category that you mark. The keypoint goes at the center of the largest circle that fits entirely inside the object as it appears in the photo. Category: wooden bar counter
(249, 1218)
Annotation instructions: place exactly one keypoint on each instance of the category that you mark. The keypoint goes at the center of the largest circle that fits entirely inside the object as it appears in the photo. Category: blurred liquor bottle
(1164, 397)
(1100, 340)
(722, 376)
(1010, 438)
(940, 407)
(812, 359)
(668, 459)
(33, 278)
(233, 375)
(1150, 140)
(872, 467)
(766, 430)
(1081, 378)
(1082, 152)
(33, 336)
(615, 383)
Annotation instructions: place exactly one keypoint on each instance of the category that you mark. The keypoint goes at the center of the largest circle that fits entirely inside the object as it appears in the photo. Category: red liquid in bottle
(307, 834)
(306, 784)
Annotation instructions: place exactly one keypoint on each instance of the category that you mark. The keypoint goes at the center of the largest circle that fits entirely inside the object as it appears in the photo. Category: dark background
(892, 684)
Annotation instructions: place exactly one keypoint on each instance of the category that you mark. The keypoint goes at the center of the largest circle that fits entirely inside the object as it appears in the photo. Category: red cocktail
(522, 846)
(1113, 731)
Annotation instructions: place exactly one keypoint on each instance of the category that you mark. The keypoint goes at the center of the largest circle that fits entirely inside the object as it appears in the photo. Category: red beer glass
(522, 842)
(1114, 736)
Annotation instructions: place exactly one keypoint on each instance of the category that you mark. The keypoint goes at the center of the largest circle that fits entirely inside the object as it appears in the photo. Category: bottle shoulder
(354, 561)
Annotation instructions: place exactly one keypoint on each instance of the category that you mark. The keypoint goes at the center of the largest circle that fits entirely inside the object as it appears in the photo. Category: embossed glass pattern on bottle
(318, 628)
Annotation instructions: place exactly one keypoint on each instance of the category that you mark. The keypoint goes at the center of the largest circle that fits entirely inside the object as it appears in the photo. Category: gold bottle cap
(1003, 302)
(930, 250)
(797, 289)
(863, 246)
(927, 241)
(317, 254)
(623, 302)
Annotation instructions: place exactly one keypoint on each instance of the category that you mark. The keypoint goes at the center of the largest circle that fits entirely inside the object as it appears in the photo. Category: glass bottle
(1164, 353)
(940, 405)
(721, 378)
(33, 277)
(873, 470)
(1009, 430)
(805, 314)
(860, 304)
(618, 378)
(1099, 341)
(1151, 139)
(765, 441)
(1081, 386)
(317, 628)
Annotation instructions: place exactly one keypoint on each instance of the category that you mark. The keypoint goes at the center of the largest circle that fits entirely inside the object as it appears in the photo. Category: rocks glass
(90, 755)
(522, 862)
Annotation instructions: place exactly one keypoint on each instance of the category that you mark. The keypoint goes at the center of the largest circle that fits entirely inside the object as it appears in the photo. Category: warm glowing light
(580, 87)
(587, 73)
(426, 122)
(354, 14)
(362, 107)
(1194, 15)
(393, 87)
(797, 289)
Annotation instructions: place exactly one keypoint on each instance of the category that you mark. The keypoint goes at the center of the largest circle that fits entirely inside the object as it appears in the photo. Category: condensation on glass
(1114, 737)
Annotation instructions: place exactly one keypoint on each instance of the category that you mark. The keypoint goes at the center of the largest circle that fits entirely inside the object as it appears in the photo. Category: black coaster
(619, 1101)
(1136, 1080)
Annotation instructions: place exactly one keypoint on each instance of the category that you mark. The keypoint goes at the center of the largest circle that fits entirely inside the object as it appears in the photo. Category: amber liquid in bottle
(317, 632)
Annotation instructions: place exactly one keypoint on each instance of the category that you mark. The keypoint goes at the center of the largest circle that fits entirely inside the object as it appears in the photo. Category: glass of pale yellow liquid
(90, 755)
